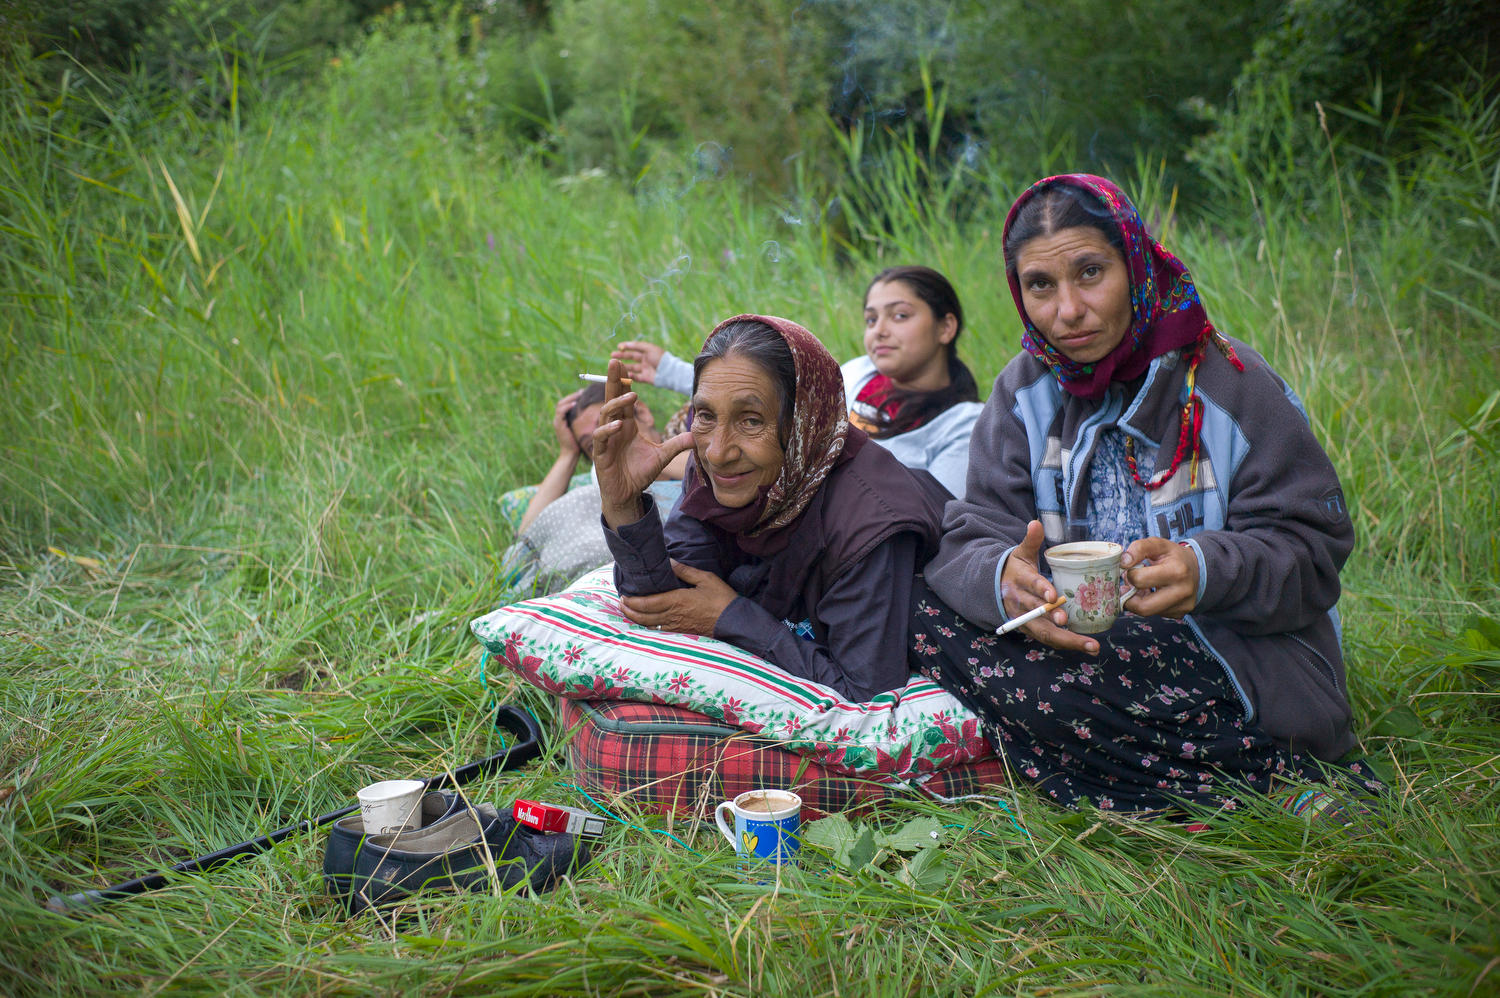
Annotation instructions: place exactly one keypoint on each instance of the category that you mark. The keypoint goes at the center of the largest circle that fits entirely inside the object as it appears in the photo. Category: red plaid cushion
(674, 759)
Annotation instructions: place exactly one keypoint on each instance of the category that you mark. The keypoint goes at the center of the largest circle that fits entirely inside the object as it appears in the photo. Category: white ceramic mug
(1088, 574)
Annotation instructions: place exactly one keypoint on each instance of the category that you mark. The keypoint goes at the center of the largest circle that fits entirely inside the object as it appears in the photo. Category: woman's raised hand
(640, 359)
(567, 443)
(1024, 587)
(626, 462)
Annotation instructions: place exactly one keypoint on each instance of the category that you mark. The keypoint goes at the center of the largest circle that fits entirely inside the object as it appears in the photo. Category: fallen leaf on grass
(92, 564)
(929, 869)
(1399, 722)
(919, 833)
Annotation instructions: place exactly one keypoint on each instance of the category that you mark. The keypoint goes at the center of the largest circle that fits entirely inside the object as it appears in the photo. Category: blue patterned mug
(766, 825)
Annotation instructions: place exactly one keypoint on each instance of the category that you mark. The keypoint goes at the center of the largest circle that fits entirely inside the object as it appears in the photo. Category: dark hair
(912, 407)
(935, 290)
(592, 394)
(1055, 207)
(762, 346)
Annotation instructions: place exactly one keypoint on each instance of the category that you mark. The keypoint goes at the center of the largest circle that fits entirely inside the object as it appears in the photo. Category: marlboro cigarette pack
(552, 818)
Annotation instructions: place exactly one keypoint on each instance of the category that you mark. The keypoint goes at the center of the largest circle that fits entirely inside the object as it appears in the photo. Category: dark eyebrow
(1084, 259)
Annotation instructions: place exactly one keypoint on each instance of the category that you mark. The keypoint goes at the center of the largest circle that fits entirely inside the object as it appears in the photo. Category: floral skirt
(1151, 722)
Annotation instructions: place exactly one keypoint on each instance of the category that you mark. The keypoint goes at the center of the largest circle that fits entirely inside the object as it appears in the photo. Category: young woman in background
(910, 391)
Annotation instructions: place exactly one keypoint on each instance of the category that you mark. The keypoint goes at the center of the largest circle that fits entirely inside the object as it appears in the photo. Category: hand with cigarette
(640, 359)
(1024, 588)
(626, 461)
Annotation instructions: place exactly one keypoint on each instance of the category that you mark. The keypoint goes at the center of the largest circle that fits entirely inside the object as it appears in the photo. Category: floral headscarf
(1166, 315)
(819, 438)
(1166, 312)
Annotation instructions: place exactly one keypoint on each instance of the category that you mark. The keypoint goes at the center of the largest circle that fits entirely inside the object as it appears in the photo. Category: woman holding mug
(1128, 417)
(909, 390)
(787, 514)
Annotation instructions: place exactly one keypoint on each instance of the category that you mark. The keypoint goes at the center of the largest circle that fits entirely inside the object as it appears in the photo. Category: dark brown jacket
(848, 570)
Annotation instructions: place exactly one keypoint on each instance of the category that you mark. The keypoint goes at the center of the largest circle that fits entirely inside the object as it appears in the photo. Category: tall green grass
(265, 371)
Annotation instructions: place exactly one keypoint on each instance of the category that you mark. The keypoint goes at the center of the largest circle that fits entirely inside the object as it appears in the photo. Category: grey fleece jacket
(1266, 518)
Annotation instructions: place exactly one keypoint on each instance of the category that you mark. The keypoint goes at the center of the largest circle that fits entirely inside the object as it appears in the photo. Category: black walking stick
(514, 719)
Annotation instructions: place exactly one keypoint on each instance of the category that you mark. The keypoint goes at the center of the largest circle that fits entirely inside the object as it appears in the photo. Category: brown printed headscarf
(820, 438)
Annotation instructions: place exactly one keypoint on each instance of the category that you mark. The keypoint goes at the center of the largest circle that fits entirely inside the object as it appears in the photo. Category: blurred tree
(1376, 66)
(744, 79)
(178, 42)
(1118, 78)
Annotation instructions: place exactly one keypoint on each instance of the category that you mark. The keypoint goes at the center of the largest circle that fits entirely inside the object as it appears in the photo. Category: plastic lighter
(557, 818)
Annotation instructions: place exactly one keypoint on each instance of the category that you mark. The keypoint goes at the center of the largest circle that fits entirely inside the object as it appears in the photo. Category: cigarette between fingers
(602, 379)
(1030, 615)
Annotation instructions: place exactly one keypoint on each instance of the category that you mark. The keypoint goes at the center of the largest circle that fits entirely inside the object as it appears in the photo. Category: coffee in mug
(766, 825)
(1087, 574)
(759, 804)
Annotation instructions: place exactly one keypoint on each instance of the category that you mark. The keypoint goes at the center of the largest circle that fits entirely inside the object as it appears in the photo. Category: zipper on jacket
(1089, 434)
(1234, 680)
(1317, 656)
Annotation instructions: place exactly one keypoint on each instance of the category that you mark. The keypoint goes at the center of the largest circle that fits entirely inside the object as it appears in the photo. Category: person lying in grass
(910, 391)
(788, 516)
(558, 538)
(574, 418)
(1128, 417)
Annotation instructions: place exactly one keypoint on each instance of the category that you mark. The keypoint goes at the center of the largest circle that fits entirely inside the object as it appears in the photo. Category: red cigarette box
(554, 818)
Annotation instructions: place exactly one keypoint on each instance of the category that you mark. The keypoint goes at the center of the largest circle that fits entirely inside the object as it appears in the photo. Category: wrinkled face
(735, 434)
(1076, 289)
(907, 343)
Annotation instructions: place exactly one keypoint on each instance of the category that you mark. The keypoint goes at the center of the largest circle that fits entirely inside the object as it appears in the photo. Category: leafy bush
(1379, 70)
(1081, 84)
(746, 76)
(489, 81)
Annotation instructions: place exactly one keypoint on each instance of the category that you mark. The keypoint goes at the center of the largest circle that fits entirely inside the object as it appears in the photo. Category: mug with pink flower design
(1087, 574)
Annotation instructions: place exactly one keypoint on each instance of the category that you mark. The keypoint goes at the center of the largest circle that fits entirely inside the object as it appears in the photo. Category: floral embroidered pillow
(578, 644)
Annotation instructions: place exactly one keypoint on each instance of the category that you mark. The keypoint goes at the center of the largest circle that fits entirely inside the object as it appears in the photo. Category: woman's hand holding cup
(1165, 576)
(1025, 588)
(625, 461)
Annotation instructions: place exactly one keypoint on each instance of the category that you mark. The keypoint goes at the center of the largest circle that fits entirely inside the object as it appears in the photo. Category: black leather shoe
(349, 832)
(451, 853)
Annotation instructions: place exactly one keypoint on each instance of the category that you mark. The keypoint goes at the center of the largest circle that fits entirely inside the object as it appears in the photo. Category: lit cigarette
(1030, 615)
(603, 379)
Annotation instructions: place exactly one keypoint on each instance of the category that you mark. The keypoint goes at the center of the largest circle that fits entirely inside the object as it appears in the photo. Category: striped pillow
(578, 644)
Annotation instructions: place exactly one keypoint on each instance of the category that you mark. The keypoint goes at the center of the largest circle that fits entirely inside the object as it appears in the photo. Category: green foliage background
(1210, 91)
(277, 324)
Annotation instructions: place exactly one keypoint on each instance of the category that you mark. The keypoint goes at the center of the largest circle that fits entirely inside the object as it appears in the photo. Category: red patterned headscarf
(1166, 315)
(819, 438)
(1166, 311)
